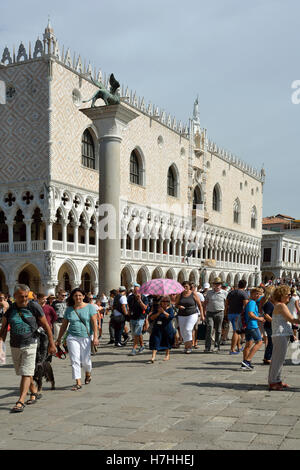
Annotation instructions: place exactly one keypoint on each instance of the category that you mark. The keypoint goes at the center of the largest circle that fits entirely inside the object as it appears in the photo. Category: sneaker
(125, 338)
(247, 365)
(233, 353)
(141, 349)
(119, 345)
(111, 341)
(207, 351)
(133, 352)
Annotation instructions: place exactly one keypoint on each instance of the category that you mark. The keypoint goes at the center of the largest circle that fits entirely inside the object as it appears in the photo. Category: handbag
(201, 333)
(94, 348)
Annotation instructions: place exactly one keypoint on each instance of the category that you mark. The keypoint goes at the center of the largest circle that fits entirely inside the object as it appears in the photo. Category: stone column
(64, 235)
(76, 227)
(49, 224)
(28, 233)
(10, 236)
(110, 121)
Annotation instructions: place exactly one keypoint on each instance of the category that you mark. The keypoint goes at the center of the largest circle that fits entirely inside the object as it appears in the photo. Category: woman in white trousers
(81, 320)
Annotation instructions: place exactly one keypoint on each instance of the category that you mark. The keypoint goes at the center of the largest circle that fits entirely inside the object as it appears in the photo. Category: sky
(241, 57)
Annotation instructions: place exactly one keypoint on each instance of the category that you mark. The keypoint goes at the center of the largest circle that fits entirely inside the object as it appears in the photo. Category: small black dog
(43, 368)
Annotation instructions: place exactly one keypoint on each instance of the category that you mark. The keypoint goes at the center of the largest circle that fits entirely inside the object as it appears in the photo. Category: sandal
(18, 409)
(32, 400)
(76, 387)
(88, 379)
(277, 387)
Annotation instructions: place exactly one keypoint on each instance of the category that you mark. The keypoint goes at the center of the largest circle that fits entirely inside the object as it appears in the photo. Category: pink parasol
(161, 287)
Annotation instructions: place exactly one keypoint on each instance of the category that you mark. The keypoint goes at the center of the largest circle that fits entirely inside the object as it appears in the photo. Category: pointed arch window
(172, 182)
(197, 197)
(253, 217)
(237, 212)
(216, 200)
(88, 150)
(134, 169)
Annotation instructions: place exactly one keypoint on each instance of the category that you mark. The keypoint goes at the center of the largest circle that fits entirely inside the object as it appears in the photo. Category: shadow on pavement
(238, 386)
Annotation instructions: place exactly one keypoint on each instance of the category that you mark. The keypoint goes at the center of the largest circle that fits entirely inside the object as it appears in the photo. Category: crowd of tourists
(71, 323)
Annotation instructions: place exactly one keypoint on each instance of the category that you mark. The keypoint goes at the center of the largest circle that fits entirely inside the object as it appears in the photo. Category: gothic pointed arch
(173, 181)
(137, 167)
(237, 211)
(88, 151)
(217, 198)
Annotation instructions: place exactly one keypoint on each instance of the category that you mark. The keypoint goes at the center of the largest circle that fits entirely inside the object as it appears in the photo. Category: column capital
(110, 120)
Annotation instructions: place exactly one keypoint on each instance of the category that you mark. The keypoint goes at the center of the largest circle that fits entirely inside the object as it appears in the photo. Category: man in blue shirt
(252, 332)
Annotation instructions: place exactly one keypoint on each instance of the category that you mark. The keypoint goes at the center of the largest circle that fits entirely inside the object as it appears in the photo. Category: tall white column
(64, 235)
(28, 233)
(49, 229)
(76, 227)
(10, 236)
(110, 121)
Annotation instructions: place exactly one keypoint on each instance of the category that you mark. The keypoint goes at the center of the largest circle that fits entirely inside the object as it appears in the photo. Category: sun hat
(217, 280)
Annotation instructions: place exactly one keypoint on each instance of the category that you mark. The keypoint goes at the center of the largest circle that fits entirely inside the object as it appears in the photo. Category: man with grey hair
(24, 318)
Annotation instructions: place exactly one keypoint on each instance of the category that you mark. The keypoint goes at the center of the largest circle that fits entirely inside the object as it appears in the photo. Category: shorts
(24, 359)
(136, 327)
(253, 335)
(235, 320)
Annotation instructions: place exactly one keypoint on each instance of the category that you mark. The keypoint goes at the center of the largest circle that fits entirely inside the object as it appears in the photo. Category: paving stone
(238, 436)
(290, 444)
(261, 429)
(204, 402)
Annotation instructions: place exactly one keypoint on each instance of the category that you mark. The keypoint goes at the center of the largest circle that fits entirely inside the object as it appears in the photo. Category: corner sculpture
(109, 97)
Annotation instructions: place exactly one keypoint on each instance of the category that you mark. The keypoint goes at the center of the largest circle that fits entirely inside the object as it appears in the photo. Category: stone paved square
(192, 402)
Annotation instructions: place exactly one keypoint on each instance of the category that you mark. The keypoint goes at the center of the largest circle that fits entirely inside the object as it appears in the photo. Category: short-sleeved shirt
(23, 333)
(50, 314)
(251, 307)
(268, 308)
(215, 300)
(136, 310)
(236, 300)
(76, 327)
(122, 301)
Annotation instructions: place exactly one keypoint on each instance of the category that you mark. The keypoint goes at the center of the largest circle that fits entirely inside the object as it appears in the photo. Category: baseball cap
(136, 285)
(122, 288)
(206, 285)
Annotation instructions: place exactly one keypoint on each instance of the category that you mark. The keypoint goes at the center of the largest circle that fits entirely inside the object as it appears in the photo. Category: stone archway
(181, 277)
(30, 275)
(157, 273)
(170, 274)
(67, 276)
(229, 279)
(143, 275)
(237, 279)
(127, 278)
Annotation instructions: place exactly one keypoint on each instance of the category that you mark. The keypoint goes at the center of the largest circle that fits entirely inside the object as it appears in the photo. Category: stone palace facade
(188, 209)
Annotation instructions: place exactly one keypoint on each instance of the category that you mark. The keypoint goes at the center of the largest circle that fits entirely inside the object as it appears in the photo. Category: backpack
(117, 304)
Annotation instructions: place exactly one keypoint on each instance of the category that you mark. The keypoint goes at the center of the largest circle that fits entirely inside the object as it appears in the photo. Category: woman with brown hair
(187, 303)
(162, 335)
(80, 319)
(266, 308)
(281, 332)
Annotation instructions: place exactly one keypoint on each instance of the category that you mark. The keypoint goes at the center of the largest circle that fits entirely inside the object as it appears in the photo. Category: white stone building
(170, 175)
(280, 256)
